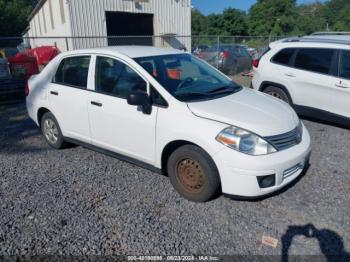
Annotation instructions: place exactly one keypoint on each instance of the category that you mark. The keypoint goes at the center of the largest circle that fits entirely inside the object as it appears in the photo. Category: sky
(216, 6)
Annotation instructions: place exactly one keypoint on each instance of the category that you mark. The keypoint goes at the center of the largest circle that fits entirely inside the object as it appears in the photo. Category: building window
(51, 15)
(44, 19)
(63, 17)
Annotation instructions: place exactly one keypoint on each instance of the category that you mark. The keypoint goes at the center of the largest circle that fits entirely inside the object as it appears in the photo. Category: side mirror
(142, 99)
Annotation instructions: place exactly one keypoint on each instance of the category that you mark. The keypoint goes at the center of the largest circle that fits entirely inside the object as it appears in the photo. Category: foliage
(279, 18)
(275, 17)
(311, 19)
(199, 23)
(265, 18)
(13, 16)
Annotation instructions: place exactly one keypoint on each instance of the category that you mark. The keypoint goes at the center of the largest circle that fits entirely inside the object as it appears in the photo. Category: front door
(116, 125)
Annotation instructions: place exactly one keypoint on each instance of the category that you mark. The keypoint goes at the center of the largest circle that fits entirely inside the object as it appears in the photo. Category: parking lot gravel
(79, 202)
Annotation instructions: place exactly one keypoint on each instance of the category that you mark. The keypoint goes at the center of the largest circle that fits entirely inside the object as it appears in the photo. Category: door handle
(96, 104)
(55, 93)
(290, 74)
(341, 85)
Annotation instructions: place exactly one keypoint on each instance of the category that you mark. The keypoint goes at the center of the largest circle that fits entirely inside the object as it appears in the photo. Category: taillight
(256, 63)
(225, 54)
(26, 90)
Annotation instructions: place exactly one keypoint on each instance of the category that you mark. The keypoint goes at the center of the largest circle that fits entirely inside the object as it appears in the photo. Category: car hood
(250, 110)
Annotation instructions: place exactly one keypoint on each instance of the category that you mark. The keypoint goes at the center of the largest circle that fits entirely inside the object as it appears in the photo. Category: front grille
(287, 140)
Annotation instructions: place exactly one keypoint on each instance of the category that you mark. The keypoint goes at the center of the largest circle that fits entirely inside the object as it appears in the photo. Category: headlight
(244, 141)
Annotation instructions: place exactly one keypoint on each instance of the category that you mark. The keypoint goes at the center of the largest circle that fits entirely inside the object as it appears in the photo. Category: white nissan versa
(171, 112)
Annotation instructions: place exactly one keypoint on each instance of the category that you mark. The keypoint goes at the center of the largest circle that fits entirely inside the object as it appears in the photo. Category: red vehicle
(43, 54)
(23, 66)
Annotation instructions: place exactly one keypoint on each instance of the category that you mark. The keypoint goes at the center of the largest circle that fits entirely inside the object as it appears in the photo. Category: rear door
(341, 94)
(311, 76)
(69, 98)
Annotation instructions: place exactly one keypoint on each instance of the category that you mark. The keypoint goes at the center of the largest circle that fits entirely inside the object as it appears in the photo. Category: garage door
(129, 25)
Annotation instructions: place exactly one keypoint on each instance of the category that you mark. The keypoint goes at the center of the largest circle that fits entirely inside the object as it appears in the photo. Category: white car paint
(274, 116)
(123, 129)
(308, 89)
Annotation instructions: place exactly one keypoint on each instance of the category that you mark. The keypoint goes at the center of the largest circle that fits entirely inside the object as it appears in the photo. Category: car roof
(316, 40)
(345, 38)
(130, 51)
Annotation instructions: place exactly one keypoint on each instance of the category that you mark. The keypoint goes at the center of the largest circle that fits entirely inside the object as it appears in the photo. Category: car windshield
(188, 78)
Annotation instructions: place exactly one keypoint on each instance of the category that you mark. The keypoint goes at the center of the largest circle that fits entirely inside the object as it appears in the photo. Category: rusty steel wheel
(193, 173)
(190, 175)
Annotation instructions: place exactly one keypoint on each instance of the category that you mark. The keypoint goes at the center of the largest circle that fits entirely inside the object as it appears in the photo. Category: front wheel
(193, 174)
(277, 93)
(51, 131)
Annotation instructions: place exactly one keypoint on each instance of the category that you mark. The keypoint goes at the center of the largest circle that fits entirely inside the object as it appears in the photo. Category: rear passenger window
(315, 60)
(73, 71)
(345, 65)
(284, 56)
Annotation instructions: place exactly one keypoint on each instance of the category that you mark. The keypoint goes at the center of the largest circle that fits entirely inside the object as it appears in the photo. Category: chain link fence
(233, 55)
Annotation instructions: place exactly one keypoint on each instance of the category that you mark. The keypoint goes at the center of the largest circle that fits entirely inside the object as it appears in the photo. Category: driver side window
(115, 78)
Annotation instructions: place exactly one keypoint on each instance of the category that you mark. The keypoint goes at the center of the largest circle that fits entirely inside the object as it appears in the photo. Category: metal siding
(170, 16)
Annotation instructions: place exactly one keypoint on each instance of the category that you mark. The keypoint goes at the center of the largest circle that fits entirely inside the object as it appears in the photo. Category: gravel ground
(78, 202)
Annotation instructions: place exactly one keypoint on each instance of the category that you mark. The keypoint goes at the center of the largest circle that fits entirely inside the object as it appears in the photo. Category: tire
(52, 131)
(277, 93)
(193, 174)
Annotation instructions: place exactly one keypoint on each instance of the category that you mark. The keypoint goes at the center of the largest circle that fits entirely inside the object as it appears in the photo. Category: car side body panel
(307, 90)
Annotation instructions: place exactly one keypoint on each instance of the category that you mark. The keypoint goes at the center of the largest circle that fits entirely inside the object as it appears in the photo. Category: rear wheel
(193, 174)
(277, 93)
(51, 131)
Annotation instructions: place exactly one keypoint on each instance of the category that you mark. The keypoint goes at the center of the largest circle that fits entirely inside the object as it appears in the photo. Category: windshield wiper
(224, 89)
(189, 94)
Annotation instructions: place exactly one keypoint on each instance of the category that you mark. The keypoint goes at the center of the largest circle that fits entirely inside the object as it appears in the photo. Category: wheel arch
(41, 112)
(266, 84)
(169, 149)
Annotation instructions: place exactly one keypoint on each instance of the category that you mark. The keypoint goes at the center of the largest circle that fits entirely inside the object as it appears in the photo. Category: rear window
(221, 48)
(315, 60)
(284, 56)
(345, 65)
(73, 71)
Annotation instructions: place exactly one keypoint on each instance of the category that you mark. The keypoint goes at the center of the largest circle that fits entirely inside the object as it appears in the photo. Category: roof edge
(36, 9)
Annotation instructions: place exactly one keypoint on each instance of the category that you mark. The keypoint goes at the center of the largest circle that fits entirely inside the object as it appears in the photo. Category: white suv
(170, 112)
(310, 73)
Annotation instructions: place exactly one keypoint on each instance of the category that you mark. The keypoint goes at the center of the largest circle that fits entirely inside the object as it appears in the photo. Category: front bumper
(239, 172)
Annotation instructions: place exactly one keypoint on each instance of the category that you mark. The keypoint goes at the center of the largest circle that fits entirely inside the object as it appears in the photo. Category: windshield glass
(188, 78)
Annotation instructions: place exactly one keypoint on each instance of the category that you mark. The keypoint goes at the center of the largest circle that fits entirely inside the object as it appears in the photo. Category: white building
(167, 20)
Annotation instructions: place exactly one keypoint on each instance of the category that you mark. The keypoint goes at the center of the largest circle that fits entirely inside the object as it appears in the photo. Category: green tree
(343, 23)
(215, 24)
(332, 11)
(13, 16)
(231, 22)
(336, 16)
(311, 18)
(234, 22)
(273, 16)
(199, 23)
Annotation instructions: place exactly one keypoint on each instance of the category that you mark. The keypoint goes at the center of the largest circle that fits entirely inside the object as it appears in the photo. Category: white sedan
(168, 111)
